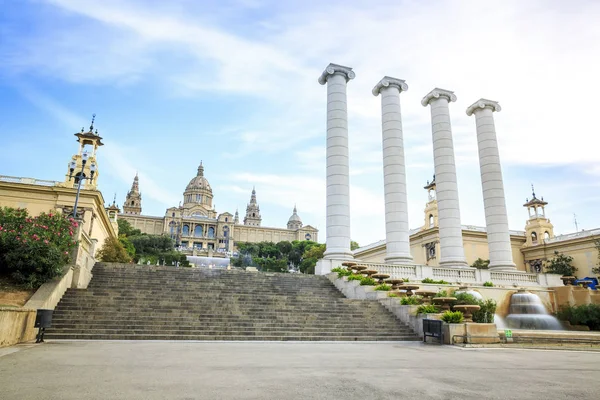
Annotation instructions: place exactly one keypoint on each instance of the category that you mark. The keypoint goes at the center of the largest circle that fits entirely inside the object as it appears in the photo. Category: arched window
(534, 237)
(211, 232)
(225, 219)
(225, 231)
(253, 214)
(77, 175)
(546, 235)
(198, 231)
(431, 219)
(132, 202)
(186, 230)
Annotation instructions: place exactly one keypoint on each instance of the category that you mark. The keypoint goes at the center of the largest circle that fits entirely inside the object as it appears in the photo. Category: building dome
(198, 191)
(199, 181)
(294, 222)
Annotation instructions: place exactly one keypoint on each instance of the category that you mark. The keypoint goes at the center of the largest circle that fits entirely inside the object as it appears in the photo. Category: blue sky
(234, 83)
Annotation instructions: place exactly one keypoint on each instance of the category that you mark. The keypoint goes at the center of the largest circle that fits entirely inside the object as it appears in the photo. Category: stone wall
(16, 326)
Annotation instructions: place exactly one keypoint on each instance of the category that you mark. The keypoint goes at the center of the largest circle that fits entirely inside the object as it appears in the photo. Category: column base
(399, 260)
(504, 268)
(324, 266)
(338, 255)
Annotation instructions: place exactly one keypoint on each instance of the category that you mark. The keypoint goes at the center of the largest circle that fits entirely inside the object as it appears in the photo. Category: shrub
(393, 294)
(465, 298)
(113, 251)
(427, 309)
(441, 293)
(405, 280)
(561, 265)
(480, 263)
(488, 284)
(452, 317)
(587, 314)
(411, 301)
(355, 277)
(341, 272)
(429, 280)
(486, 313)
(383, 287)
(366, 281)
(338, 269)
(34, 250)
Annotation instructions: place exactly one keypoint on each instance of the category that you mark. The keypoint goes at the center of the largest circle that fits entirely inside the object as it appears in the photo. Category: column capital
(388, 81)
(481, 104)
(333, 69)
(436, 94)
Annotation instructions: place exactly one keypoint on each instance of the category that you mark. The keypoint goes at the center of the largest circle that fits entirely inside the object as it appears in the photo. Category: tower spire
(92, 124)
(201, 169)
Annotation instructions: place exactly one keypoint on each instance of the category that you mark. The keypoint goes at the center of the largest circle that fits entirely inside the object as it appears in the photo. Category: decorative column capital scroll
(436, 94)
(387, 81)
(333, 69)
(481, 104)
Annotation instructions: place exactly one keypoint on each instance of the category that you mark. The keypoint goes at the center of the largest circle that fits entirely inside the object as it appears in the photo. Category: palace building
(198, 229)
(530, 247)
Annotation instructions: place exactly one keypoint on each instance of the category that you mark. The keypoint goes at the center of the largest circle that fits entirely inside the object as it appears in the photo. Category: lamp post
(81, 177)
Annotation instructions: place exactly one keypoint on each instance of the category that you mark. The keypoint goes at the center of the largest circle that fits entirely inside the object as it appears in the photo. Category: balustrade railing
(394, 271)
(454, 274)
(513, 277)
(29, 181)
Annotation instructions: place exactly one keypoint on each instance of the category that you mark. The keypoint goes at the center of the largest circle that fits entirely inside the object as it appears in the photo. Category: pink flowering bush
(34, 250)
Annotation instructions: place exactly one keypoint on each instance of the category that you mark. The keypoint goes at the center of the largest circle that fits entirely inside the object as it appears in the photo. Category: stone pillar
(496, 218)
(452, 252)
(338, 181)
(394, 172)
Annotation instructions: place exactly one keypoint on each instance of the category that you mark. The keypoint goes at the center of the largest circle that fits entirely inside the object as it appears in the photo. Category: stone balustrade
(454, 275)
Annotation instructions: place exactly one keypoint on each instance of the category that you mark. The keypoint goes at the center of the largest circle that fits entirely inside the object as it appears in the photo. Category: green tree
(561, 265)
(269, 264)
(480, 263)
(354, 245)
(284, 247)
(113, 251)
(126, 229)
(310, 257)
(146, 245)
(129, 247)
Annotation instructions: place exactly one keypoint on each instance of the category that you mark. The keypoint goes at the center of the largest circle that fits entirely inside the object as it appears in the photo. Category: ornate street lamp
(80, 177)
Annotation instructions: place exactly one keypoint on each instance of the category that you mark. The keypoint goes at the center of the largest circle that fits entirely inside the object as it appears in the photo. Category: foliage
(427, 309)
(441, 293)
(341, 272)
(354, 245)
(126, 229)
(129, 247)
(411, 301)
(487, 308)
(406, 280)
(486, 312)
(383, 287)
(480, 263)
(113, 251)
(587, 314)
(355, 277)
(452, 317)
(440, 282)
(488, 284)
(299, 254)
(465, 298)
(34, 250)
(393, 294)
(561, 265)
(367, 281)
(151, 245)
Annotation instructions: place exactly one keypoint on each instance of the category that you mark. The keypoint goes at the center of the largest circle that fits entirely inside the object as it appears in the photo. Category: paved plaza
(265, 370)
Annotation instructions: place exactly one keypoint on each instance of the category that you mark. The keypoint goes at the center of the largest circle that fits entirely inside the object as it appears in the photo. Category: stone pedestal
(494, 201)
(338, 181)
(394, 172)
(452, 253)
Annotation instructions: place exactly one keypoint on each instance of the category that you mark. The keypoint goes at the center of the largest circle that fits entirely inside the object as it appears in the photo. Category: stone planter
(453, 329)
(377, 295)
(362, 291)
(481, 333)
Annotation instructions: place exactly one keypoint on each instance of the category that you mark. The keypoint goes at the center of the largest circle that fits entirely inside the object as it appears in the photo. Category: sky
(234, 83)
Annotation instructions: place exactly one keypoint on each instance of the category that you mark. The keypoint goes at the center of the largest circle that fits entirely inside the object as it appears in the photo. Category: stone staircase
(132, 302)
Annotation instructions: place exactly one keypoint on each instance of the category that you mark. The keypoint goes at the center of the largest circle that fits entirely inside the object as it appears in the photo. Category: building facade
(198, 229)
(530, 247)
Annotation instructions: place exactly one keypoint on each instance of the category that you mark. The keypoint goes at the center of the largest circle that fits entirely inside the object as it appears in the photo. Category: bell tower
(252, 217)
(83, 164)
(431, 208)
(133, 201)
(538, 228)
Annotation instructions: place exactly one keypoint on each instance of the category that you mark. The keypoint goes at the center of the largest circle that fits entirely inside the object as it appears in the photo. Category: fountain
(528, 312)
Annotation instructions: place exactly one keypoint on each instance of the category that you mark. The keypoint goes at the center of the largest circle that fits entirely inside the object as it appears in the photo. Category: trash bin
(43, 320)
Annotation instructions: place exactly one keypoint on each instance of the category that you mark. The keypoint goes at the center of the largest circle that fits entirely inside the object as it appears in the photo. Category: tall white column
(496, 218)
(397, 241)
(338, 173)
(452, 252)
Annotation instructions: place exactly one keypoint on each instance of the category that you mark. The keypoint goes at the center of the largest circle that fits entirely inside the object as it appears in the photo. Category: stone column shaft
(452, 253)
(397, 240)
(494, 201)
(338, 172)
